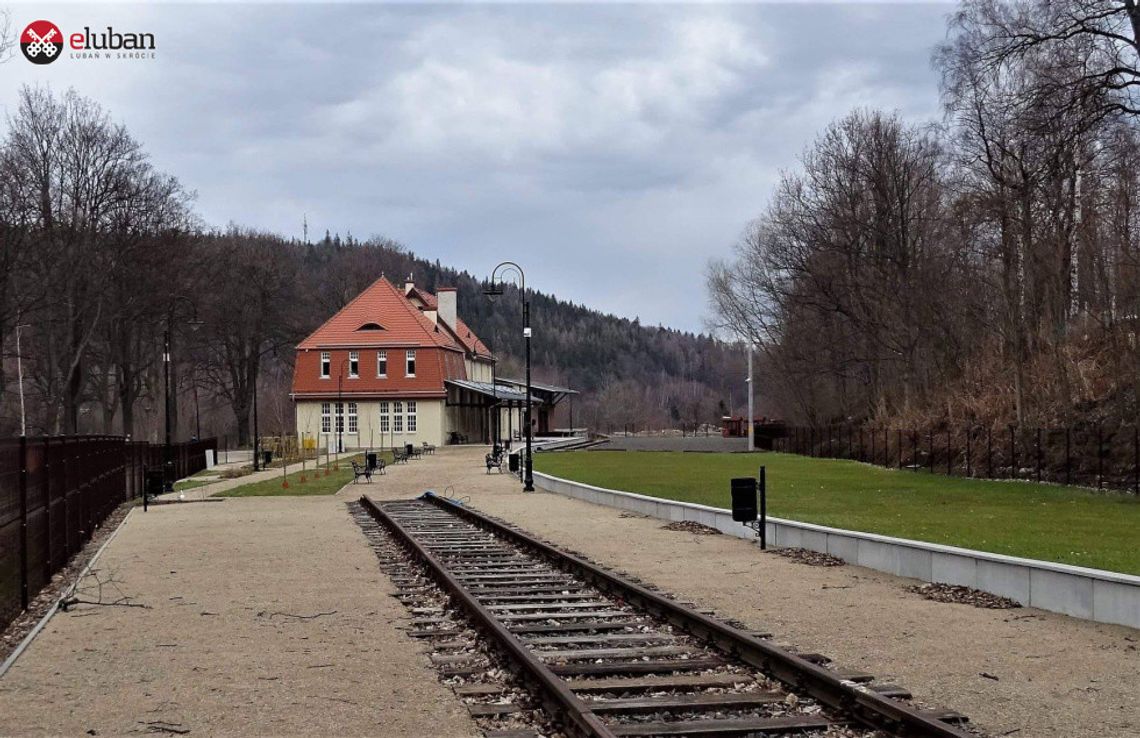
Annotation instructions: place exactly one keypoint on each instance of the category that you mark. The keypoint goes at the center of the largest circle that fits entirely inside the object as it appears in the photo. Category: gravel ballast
(1057, 677)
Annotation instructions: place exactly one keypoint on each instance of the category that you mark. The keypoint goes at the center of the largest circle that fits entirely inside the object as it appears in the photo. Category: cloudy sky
(610, 149)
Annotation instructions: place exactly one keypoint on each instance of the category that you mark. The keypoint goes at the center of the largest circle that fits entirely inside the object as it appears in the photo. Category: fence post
(989, 452)
(1068, 446)
(1038, 453)
(949, 453)
(930, 450)
(969, 443)
(23, 523)
(914, 449)
(1136, 460)
(1099, 457)
(48, 558)
(1012, 454)
(898, 439)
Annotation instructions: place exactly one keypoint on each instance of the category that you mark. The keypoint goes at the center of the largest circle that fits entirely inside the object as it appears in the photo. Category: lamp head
(494, 291)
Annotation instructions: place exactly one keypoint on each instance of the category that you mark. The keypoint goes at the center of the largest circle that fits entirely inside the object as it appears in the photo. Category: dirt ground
(1046, 675)
(263, 616)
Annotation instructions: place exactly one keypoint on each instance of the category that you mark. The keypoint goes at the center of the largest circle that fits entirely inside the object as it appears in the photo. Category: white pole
(20, 374)
(751, 434)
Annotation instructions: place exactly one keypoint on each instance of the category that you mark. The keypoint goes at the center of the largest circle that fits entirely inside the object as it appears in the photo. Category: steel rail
(867, 707)
(556, 694)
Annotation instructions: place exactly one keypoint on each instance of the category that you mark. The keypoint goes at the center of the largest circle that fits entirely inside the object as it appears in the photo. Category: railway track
(604, 655)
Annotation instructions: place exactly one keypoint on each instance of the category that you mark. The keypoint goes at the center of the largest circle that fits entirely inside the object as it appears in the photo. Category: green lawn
(316, 482)
(1038, 521)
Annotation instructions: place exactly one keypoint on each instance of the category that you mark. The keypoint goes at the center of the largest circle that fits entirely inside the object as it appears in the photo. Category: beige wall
(478, 371)
(429, 424)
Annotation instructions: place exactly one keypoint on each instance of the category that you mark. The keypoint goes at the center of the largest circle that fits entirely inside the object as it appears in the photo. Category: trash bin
(370, 459)
(154, 482)
(266, 458)
(409, 448)
(513, 463)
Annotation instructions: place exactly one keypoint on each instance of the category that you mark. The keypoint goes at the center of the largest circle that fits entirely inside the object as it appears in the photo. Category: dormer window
(326, 365)
(371, 327)
(353, 364)
(410, 368)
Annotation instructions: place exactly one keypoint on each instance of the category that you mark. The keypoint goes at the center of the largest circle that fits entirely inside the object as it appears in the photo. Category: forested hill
(236, 301)
(628, 372)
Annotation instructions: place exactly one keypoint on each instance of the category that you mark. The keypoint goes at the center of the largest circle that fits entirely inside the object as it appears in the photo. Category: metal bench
(359, 471)
(494, 461)
(399, 456)
(429, 449)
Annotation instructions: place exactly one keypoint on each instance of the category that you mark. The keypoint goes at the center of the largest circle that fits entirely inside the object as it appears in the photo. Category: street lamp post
(495, 394)
(167, 455)
(20, 374)
(256, 462)
(492, 292)
(338, 416)
(167, 461)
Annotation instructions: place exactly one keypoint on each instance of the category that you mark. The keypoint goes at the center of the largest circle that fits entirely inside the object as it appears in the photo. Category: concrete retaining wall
(1092, 594)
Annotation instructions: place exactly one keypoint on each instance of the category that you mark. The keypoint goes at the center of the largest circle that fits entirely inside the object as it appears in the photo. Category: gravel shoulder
(1047, 675)
(261, 616)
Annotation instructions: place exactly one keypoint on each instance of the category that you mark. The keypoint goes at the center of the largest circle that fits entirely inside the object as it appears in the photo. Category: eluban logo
(41, 42)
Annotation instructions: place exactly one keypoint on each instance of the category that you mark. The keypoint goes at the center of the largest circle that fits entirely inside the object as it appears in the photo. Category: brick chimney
(409, 284)
(448, 305)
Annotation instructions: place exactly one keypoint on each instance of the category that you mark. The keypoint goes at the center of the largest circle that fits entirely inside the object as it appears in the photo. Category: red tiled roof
(461, 331)
(385, 304)
(469, 340)
(433, 366)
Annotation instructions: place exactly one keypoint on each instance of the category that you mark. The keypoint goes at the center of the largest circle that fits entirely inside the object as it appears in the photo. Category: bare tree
(8, 39)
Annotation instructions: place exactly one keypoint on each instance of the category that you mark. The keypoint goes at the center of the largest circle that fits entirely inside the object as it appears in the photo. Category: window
(353, 364)
(326, 364)
(340, 417)
(410, 370)
(381, 364)
(397, 417)
(326, 419)
(352, 425)
(411, 416)
(384, 427)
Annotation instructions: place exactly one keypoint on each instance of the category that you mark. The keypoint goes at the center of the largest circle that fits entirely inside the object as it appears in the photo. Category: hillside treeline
(101, 255)
(984, 269)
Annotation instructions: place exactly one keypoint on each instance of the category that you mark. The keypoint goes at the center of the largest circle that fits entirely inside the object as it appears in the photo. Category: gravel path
(1047, 675)
(262, 616)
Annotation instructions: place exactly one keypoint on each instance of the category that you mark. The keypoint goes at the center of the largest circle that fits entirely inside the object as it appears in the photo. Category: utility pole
(751, 426)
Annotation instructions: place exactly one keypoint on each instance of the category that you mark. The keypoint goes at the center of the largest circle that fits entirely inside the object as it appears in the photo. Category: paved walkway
(263, 616)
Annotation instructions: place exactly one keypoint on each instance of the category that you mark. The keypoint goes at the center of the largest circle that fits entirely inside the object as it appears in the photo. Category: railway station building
(397, 365)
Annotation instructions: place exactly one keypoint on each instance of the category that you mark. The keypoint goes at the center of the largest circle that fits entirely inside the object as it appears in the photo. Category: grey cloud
(612, 149)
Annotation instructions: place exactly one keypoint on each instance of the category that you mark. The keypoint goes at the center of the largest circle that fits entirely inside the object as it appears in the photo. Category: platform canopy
(546, 394)
(499, 393)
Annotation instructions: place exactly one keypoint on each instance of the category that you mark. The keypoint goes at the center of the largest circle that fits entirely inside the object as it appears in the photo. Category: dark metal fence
(1086, 456)
(55, 491)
